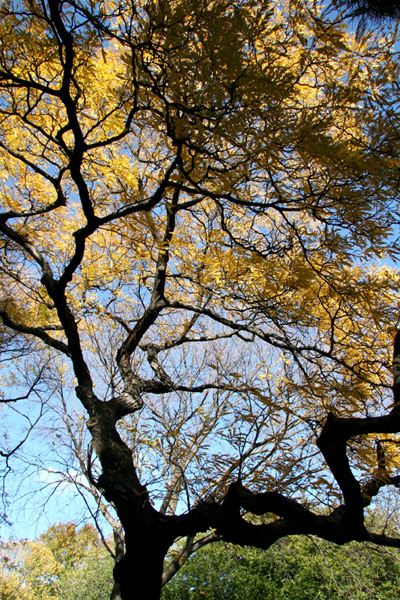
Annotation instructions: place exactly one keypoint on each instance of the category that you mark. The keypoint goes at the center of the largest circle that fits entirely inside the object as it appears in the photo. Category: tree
(375, 9)
(295, 568)
(197, 197)
(64, 562)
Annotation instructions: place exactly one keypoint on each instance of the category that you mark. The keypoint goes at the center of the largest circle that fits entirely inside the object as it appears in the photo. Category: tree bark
(139, 573)
(148, 534)
(119, 554)
(116, 592)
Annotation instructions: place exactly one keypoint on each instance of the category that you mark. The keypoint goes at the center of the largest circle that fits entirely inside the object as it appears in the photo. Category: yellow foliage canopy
(200, 210)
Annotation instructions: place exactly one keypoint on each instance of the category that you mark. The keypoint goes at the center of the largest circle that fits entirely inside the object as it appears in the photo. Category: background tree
(67, 562)
(64, 562)
(197, 197)
(298, 568)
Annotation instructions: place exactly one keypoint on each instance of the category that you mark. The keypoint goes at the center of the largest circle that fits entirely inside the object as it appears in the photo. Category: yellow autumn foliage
(238, 164)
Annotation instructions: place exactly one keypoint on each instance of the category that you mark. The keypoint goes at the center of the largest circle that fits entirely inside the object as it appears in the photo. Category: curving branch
(130, 400)
(38, 332)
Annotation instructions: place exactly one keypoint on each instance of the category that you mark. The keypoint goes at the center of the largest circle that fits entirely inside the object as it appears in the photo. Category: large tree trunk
(139, 573)
(148, 533)
(116, 592)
